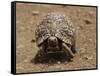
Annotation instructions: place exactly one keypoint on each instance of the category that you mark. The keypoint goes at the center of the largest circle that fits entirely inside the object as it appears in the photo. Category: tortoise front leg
(73, 49)
(42, 50)
(40, 55)
(67, 50)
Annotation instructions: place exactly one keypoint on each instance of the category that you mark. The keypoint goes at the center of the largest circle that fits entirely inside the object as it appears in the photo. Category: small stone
(33, 40)
(87, 21)
(90, 57)
(58, 62)
(90, 40)
(35, 12)
(80, 27)
(87, 58)
(25, 61)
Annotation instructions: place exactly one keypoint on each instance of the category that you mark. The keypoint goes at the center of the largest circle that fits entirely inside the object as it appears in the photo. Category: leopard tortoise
(55, 33)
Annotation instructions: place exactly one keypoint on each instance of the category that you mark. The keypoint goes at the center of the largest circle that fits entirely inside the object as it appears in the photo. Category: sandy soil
(27, 18)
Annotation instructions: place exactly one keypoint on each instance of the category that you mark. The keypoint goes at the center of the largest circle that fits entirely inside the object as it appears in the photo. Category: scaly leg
(67, 50)
(40, 55)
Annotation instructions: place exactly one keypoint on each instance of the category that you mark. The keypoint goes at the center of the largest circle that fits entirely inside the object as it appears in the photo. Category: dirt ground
(28, 16)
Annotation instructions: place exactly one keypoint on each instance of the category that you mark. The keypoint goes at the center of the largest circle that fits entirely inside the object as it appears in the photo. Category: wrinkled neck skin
(54, 49)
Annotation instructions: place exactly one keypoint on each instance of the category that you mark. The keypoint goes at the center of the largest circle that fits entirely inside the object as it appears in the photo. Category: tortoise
(55, 33)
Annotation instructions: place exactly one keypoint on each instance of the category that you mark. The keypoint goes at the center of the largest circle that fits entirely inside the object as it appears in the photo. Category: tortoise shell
(55, 24)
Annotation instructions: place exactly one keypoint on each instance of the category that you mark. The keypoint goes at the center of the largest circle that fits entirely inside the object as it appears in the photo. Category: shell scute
(55, 24)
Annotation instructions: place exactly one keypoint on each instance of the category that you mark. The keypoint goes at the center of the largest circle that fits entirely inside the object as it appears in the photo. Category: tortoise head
(52, 41)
